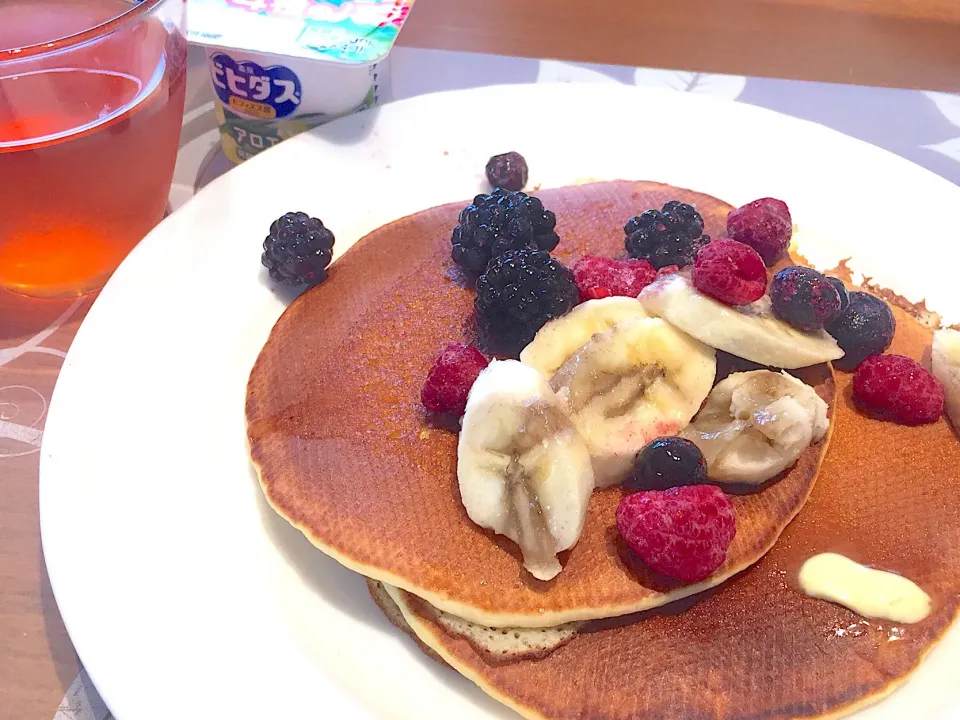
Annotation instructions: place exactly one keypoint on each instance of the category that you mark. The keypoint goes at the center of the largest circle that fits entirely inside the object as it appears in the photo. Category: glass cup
(91, 106)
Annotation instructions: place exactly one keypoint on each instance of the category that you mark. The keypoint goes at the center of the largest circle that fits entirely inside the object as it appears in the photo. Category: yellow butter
(868, 592)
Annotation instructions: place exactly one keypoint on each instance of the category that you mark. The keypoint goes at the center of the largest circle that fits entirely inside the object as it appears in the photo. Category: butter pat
(868, 592)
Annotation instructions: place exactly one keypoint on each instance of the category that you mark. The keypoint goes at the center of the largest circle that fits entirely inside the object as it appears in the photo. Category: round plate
(185, 595)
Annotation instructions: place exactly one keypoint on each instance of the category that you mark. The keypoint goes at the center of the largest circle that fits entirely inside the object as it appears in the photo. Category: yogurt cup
(280, 67)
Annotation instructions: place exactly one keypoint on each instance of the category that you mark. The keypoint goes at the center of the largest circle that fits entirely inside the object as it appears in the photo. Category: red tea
(88, 142)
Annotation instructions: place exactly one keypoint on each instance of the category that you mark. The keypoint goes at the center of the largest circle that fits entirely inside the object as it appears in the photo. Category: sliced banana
(563, 336)
(946, 368)
(523, 470)
(755, 424)
(750, 331)
(641, 379)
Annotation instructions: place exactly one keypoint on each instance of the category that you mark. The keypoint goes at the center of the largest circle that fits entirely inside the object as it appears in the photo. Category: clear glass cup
(91, 106)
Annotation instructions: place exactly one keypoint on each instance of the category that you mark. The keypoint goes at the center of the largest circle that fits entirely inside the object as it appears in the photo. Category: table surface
(40, 675)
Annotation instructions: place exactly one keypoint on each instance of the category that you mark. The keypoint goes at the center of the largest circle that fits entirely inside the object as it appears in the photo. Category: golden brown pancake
(346, 453)
(757, 647)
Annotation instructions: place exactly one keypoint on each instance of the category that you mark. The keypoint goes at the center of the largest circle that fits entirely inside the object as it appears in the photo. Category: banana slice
(639, 380)
(755, 424)
(523, 470)
(751, 331)
(563, 336)
(946, 368)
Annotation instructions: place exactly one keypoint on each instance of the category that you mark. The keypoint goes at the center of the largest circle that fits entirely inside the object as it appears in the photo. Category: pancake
(346, 453)
(388, 606)
(757, 647)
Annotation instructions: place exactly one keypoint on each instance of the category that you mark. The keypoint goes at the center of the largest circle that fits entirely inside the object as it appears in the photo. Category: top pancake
(346, 453)
(757, 647)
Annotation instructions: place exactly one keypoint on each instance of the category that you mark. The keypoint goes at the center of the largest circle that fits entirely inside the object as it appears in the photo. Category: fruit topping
(298, 250)
(683, 532)
(897, 388)
(451, 377)
(668, 462)
(522, 468)
(842, 291)
(498, 223)
(599, 277)
(804, 298)
(755, 424)
(519, 292)
(865, 328)
(748, 331)
(765, 225)
(560, 338)
(730, 272)
(946, 368)
(640, 380)
(670, 236)
(508, 171)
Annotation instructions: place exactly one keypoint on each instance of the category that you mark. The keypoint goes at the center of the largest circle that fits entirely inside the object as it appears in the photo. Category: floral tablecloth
(34, 336)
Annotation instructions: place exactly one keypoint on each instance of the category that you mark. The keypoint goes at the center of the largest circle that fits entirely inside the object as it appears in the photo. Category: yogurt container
(280, 67)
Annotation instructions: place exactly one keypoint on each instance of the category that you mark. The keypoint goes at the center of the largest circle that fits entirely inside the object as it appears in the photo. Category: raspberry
(803, 298)
(451, 377)
(597, 292)
(683, 532)
(507, 171)
(617, 277)
(864, 328)
(897, 388)
(765, 225)
(668, 270)
(730, 272)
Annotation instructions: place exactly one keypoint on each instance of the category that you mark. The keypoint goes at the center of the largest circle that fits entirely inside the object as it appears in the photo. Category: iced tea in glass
(91, 106)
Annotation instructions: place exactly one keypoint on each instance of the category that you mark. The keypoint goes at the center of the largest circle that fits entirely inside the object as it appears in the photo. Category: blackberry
(499, 222)
(520, 291)
(672, 235)
(803, 298)
(298, 250)
(508, 171)
(865, 328)
(668, 462)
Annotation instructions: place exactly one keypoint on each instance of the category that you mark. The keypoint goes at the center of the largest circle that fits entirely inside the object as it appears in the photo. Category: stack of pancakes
(347, 455)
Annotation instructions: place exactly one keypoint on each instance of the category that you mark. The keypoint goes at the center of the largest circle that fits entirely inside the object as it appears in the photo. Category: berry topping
(507, 171)
(897, 388)
(765, 225)
(451, 377)
(616, 277)
(730, 272)
(865, 328)
(670, 236)
(842, 291)
(804, 298)
(682, 532)
(500, 222)
(668, 462)
(297, 250)
(517, 295)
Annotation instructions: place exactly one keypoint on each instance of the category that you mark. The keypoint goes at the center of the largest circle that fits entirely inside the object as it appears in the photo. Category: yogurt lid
(352, 32)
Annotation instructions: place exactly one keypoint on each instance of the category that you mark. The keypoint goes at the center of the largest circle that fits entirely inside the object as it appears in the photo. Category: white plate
(185, 596)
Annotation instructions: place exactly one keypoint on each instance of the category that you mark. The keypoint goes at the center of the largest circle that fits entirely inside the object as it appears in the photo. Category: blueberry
(842, 290)
(804, 298)
(508, 171)
(865, 328)
(668, 462)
